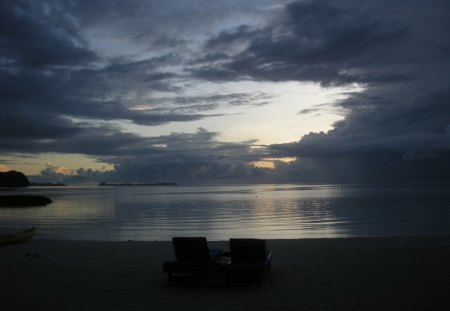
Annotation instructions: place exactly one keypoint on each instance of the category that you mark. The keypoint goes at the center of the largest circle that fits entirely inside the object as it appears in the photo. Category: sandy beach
(403, 273)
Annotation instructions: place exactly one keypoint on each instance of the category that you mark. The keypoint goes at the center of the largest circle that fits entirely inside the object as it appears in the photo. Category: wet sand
(404, 273)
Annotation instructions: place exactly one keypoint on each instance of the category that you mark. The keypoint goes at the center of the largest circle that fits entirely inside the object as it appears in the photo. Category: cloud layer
(70, 72)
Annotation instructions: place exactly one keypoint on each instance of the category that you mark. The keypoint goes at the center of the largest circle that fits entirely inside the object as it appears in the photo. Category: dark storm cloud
(179, 156)
(380, 140)
(326, 42)
(417, 110)
(57, 90)
(49, 73)
(398, 128)
(180, 15)
(49, 70)
(230, 40)
(83, 94)
(18, 127)
(36, 35)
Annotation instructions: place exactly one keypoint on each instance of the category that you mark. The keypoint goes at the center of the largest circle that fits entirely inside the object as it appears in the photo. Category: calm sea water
(261, 211)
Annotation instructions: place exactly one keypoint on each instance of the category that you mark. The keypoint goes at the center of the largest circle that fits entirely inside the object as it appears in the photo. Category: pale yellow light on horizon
(66, 164)
(270, 162)
(264, 164)
(60, 169)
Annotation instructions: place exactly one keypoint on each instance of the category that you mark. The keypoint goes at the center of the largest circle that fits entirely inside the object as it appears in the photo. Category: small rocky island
(23, 200)
(139, 184)
(13, 179)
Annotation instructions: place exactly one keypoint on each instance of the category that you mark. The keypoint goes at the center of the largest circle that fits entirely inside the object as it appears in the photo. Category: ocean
(282, 211)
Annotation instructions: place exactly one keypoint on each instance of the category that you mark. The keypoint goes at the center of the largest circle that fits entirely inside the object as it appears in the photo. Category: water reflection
(76, 212)
(263, 211)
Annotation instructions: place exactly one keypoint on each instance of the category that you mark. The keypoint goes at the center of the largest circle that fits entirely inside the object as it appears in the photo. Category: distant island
(47, 184)
(139, 184)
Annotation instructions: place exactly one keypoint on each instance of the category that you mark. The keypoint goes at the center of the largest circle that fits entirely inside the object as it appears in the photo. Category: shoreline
(223, 244)
(365, 273)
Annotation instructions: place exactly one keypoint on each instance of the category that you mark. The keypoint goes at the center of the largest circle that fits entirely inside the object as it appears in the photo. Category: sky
(197, 91)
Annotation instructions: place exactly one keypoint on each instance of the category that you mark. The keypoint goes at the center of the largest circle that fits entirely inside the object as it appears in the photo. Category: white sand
(317, 274)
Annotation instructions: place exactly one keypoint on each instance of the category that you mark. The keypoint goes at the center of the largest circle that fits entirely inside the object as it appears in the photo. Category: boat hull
(18, 237)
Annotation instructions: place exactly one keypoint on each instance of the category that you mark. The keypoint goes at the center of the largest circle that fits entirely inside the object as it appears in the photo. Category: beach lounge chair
(193, 258)
(249, 260)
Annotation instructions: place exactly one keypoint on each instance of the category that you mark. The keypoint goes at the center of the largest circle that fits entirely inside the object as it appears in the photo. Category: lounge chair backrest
(191, 249)
(248, 250)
